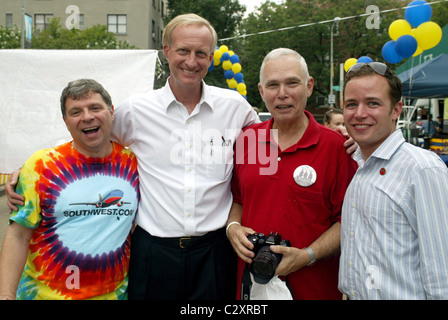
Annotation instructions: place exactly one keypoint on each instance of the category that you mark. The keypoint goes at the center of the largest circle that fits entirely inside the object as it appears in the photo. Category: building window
(9, 20)
(81, 21)
(116, 23)
(42, 21)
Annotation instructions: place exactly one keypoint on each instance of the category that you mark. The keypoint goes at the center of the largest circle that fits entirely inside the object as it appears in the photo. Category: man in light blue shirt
(394, 237)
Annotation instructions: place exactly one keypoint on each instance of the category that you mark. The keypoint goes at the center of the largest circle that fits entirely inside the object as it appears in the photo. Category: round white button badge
(305, 176)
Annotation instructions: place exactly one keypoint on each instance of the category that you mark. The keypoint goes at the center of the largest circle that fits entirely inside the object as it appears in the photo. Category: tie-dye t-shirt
(82, 210)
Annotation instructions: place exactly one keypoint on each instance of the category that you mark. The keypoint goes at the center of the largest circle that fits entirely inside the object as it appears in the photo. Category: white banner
(31, 82)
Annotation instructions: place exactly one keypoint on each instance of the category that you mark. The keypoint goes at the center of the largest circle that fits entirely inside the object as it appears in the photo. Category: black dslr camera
(265, 262)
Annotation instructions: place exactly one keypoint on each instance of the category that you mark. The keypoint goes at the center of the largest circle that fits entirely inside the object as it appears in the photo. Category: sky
(251, 4)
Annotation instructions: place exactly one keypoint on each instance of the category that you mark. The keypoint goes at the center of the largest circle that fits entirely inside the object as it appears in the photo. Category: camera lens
(264, 265)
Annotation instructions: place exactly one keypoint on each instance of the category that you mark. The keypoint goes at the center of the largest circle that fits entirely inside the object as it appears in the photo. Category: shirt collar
(310, 137)
(168, 98)
(386, 149)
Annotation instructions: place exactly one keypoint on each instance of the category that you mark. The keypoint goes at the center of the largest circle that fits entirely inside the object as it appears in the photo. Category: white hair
(276, 53)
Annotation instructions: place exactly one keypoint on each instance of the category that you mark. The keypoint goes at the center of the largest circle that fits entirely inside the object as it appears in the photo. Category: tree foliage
(96, 37)
(56, 37)
(310, 22)
(9, 38)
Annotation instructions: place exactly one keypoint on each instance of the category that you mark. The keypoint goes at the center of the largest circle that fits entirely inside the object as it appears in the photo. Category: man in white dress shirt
(183, 137)
(395, 214)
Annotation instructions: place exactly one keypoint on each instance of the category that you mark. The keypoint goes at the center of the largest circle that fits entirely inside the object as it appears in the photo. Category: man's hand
(13, 198)
(237, 235)
(293, 259)
(350, 145)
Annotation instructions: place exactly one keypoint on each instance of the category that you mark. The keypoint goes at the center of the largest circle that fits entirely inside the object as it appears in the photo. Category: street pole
(335, 22)
(22, 39)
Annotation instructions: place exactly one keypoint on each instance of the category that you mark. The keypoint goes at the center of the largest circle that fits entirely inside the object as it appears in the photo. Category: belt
(188, 242)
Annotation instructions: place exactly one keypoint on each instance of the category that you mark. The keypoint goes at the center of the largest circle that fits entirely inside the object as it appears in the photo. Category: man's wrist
(311, 255)
(228, 226)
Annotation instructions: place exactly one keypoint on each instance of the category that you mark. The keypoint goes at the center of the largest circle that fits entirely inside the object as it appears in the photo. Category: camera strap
(246, 283)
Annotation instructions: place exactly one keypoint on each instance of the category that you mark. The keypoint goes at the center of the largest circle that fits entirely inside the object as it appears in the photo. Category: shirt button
(279, 158)
(353, 205)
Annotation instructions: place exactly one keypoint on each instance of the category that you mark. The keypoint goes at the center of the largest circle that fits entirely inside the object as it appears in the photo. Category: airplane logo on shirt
(110, 199)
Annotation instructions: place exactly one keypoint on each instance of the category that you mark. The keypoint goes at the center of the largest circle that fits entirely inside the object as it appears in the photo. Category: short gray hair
(279, 52)
(80, 89)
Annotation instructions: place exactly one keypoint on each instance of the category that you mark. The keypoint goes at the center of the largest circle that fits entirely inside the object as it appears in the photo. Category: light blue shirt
(394, 236)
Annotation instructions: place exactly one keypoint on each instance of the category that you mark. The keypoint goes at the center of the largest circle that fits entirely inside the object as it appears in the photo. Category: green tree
(9, 38)
(224, 15)
(56, 37)
(306, 25)
(96, 37)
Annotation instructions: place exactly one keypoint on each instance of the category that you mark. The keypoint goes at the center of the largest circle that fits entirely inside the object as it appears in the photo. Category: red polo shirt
(264, 184)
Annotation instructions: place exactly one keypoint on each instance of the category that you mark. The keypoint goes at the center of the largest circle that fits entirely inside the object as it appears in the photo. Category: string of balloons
(409, 36)
(232, 69)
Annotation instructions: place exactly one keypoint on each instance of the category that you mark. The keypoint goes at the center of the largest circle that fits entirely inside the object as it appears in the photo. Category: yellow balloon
(241, 87)
(217, 55)
(428, 35)
(399, 28)
(236, 67)
(224, 48)
(349, 62)
(227, 65)
(231, 52)
(232, 83)
(418, 50)
(216, 62)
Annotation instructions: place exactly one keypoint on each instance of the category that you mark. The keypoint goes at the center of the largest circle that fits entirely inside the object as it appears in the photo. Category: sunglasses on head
(378, 67)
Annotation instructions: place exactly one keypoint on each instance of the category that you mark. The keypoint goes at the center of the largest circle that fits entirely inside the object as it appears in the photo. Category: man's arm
(14, 199)
(12, 259)
(294, 259)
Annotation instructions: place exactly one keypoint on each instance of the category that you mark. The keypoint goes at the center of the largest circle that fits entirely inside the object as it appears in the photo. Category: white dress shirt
(185, 161)
(394, 236)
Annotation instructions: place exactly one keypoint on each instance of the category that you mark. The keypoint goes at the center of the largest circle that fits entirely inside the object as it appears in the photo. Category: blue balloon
(228, 74)
(389, 52)
(225, 56)
(406, 46)
(364, 59)
(417, 12)
(234, 59)
(239, 77)
(211, 67)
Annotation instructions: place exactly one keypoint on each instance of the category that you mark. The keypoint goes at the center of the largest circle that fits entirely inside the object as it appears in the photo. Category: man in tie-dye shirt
(71, 238)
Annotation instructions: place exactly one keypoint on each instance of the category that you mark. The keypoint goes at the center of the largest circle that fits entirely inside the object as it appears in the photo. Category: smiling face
(89, 121)
(189, 56)
(369, 114)
(285, 88)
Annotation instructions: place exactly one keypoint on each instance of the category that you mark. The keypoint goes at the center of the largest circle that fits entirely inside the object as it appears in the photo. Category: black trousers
(196, 268)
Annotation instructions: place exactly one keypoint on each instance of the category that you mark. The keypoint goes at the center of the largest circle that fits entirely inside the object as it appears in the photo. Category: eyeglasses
(378, 67)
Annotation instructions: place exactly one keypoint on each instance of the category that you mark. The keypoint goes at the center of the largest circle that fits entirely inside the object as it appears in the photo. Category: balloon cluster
(232, 69)
(351, 61)
(412, 35)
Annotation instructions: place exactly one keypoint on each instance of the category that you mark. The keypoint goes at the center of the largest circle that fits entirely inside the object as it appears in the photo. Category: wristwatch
(312, 256)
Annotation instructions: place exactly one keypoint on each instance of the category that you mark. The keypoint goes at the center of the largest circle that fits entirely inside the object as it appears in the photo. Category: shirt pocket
(305, 207)
(218, 162)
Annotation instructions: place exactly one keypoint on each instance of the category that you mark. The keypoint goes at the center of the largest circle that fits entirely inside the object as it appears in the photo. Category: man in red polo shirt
(290, 177)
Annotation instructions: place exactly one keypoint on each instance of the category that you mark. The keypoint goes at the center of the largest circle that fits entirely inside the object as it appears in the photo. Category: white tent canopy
(31, 83)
